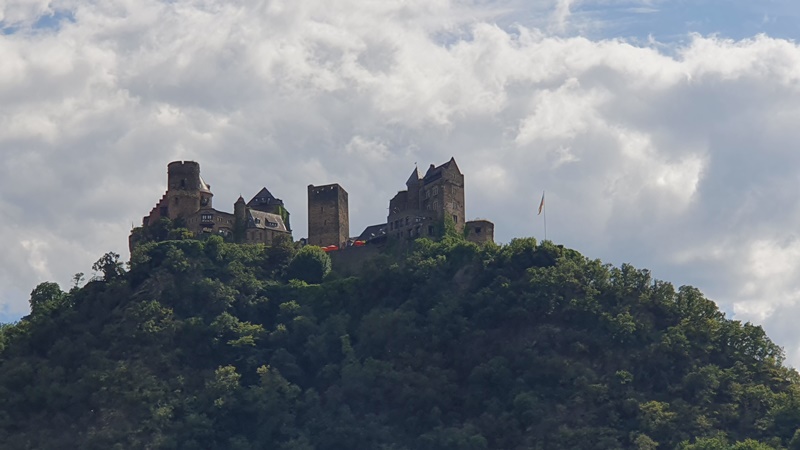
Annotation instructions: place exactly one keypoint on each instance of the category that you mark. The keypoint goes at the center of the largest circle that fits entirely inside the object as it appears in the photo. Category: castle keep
(426, 205)
(424, 209)
(328, 216)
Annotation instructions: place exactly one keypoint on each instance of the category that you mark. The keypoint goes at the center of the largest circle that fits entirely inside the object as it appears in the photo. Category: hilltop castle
(422, 210)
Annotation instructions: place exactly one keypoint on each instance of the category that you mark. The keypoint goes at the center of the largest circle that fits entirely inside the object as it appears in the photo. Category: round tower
(186, 191)
(240, 220)
(239, 209)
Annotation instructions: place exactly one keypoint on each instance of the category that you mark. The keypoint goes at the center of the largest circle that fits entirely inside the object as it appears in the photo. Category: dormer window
(257, 220)
(272, 224)
(206, 217)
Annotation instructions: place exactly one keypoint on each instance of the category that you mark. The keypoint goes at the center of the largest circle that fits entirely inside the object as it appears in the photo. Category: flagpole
(543, 209)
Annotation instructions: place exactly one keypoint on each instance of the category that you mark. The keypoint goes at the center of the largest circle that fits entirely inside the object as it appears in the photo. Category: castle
(424, 209)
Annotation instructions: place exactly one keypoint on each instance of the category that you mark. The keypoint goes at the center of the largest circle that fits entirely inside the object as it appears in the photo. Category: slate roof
(265, 221)
(434, 172)
(372, 232)
(264, 197)
(414, 177)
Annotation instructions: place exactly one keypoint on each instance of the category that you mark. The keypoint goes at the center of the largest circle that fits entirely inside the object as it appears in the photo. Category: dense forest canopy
(447, 345)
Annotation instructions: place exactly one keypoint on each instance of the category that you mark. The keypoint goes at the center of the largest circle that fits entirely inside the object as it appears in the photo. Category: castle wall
(351, 260)
(328, 216)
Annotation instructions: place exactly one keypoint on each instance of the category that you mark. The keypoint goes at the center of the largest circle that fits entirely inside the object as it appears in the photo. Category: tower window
(477, 230)
(430, 230)
(455, 218)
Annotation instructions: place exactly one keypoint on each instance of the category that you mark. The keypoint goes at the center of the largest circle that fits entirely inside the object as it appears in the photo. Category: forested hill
(206, 345)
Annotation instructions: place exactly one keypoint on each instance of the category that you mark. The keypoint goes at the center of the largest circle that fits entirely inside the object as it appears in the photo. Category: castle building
(430, 201)
(189, 199)
(429, 204)
(328, 216)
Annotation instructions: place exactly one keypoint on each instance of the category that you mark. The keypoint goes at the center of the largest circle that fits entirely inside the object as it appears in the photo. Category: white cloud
(681, 162)
(17, 12)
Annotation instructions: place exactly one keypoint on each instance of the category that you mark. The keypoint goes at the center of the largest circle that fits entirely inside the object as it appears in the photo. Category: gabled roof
(436, 171)
(264, 197)
(265, 221)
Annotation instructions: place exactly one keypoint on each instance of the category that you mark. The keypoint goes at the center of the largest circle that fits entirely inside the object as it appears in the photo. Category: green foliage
(109, 265)
(204, 344)
(311, 264)
(46, 297)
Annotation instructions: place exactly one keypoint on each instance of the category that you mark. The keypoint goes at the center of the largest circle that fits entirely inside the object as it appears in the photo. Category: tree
(311, 264)
(109, 265)
(45, 297)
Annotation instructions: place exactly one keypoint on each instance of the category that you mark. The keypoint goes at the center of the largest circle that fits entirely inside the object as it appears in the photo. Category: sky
(663, 132)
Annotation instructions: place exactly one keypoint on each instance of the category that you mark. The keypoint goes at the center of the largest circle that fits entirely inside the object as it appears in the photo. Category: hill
(205, 344)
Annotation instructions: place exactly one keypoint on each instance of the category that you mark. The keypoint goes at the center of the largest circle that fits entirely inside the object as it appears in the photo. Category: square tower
(328, 216)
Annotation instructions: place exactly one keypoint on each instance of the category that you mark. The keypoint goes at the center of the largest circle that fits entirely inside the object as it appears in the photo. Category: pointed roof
(205, 187)
(264, 197)
(240, 199)
(414, 177)
(452, 162)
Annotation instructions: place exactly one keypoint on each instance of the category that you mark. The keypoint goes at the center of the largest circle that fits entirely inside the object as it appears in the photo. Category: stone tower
(428, 203)
(186, 191)
(328, 216)
(443, 193)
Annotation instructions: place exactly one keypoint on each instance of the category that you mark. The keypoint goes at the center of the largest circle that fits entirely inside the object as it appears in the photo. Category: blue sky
(673, 20)
(669, 21)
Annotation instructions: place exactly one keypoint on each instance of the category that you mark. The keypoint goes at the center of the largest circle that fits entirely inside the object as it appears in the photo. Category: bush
(311, 264)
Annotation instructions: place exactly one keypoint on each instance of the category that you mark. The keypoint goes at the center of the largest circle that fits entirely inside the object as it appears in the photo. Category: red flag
(541, 204)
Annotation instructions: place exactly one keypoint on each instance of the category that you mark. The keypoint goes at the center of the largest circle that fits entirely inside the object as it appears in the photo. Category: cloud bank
(683, 162)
